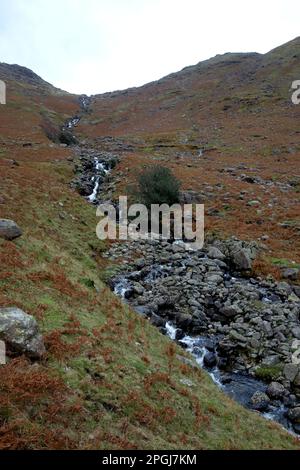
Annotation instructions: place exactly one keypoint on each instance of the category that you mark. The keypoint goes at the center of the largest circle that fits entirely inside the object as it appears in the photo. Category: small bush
(157, 185)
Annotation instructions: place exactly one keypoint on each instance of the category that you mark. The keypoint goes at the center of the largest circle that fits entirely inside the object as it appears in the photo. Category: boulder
(230, 311)
(215, 253)
(275, 390)
(290, 371)
(210, 359)
(296, 332)
(291, 273)
(20, 332)
(260, 401)
(294, 415)
(242, 260)
(156, 320)
(9, 230)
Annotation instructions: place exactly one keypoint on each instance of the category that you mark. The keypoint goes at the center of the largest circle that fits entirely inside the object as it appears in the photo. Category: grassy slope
(110, 379)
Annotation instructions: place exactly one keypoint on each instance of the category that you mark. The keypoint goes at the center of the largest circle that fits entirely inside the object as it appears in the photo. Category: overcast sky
(94, 46)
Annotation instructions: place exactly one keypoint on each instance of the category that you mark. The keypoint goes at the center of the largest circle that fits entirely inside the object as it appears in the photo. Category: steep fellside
(109, 379)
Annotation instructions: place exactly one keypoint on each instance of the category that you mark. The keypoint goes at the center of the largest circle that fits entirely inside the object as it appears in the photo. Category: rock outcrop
(20, 333)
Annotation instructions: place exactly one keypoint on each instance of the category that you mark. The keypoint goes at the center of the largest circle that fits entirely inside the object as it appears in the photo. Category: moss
(269, 373)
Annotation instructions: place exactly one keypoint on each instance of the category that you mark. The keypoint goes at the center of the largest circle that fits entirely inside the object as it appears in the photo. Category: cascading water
(100, 171)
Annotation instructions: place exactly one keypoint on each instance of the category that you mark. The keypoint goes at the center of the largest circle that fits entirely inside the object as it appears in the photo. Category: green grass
(269, 373)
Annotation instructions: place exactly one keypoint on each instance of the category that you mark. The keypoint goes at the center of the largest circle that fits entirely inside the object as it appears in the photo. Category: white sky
(94, 46)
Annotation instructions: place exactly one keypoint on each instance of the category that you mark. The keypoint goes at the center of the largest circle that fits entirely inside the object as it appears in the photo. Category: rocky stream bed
(240, 329)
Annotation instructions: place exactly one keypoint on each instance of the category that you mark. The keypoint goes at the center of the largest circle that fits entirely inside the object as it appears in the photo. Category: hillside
(111, 380)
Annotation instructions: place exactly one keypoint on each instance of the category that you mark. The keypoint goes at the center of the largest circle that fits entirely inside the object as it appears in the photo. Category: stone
(230, 311)
(291, 274)
(296, 332)
(297, 290)
(253, 203)
(210, 359)
(9, 230)
(242, 260)
(215, 253)
(260, 401)
(20, 332)
(297, 380)
(294, 415)
(156, 320)
(290, 371)
(238, 337)
(284, 288)
(179, 334)
(140, 263)
(275, 390)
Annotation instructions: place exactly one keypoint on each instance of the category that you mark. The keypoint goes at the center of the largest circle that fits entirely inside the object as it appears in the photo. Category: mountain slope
(229, 131)
(110, 379)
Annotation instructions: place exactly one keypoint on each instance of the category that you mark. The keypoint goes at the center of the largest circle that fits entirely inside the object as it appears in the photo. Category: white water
(99, 167)
(93, 196)
(171, 330)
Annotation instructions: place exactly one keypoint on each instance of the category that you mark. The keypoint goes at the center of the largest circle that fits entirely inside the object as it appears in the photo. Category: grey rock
(294, 415)
(242, 260)
(9, 230)
(296, 332)
(290, 371)
(260, 401)
(297, 380)
(284, 288)
(20, 332)
(156, 320)
(291, 273)
(210, 359)
(215, 253)
(275, 390)
(230, 311)
(238, 337)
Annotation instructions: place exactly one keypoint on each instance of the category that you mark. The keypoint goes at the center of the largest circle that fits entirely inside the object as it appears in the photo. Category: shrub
(157, 185)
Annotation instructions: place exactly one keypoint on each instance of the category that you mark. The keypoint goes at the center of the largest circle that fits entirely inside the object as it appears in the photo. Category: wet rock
(179, 334)
(260, 401)
(9, 230)
(183, 320)
(210, 360)
(20, 332)
(156, 320)
(275, 390)
(294, 415)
